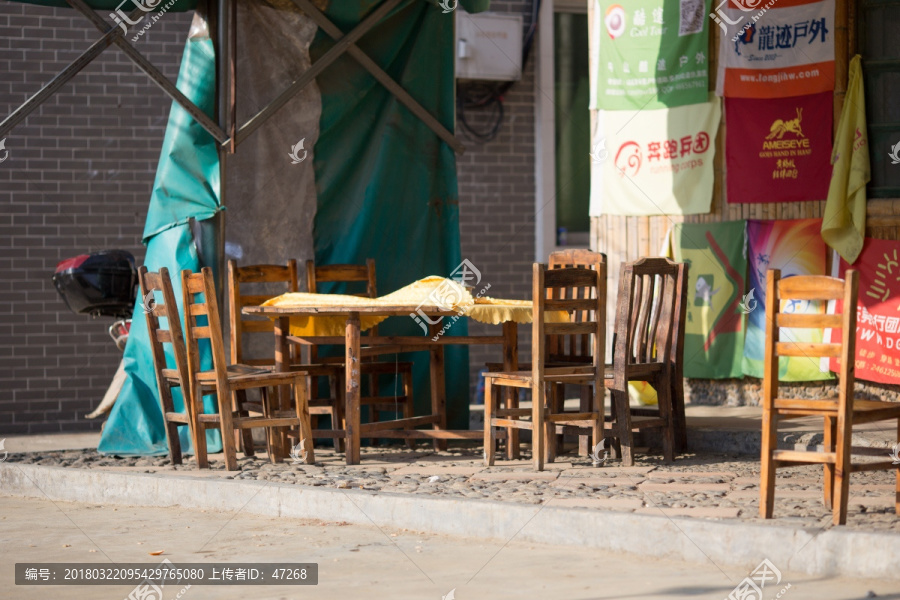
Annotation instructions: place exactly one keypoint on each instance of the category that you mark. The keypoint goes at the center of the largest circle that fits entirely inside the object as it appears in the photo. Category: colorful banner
(714, 331)
(657, 162)
(796, 248)
(652, 54)
(877, 312)
(783, 48)
(778, 150)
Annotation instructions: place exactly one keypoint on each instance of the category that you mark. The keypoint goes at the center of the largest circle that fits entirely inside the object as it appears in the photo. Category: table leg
(283, 400)
(352, 396)
(438, 386)
(511, 394)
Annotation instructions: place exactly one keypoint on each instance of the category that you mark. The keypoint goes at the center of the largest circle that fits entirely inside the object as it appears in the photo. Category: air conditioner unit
(488, 46)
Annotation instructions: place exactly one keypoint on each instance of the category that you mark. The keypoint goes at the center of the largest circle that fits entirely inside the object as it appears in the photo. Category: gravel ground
(696, 485)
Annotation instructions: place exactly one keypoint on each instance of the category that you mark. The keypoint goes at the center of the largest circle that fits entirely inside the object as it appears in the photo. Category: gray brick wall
(77, 179)
(496, 200)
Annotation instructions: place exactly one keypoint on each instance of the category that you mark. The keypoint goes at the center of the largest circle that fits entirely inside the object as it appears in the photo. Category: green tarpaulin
(386, 184)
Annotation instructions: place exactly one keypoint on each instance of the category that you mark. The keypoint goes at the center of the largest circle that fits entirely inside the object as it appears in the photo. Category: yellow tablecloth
(430, 291)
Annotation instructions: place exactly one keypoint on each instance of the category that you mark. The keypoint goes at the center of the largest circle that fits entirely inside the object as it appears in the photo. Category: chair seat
(635, 372)
(250, 380)
(569, 374)
(526, 366)
(863, 410)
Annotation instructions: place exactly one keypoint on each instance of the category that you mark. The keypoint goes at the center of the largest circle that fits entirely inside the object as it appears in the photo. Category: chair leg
(841, 471)
(301, 399)
(373, 409)
(513, 449)
(664, 400)
(615, 444)
(228, 444)
(408, 408)
(246, 435)
(551, 443)
(767, 465)
(538, 400)
(174, 443)
(337, 413)
(586, 402)
(175, 454)
(677, 391)
(198, 431)
(828, 446)
(597, 402)
(623, 428)
(273, 439)
(488, 428)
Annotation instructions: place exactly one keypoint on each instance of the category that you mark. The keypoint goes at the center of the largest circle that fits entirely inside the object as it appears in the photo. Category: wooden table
(375, 345)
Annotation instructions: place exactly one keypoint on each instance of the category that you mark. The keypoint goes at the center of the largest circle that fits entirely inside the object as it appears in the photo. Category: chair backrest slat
(811, 287)
(319, 274)
(809, 321)
(809, 349)
(241, 324)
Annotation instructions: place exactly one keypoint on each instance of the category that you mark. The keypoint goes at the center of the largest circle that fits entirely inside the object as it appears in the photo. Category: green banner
(714, 331)
(650, 54)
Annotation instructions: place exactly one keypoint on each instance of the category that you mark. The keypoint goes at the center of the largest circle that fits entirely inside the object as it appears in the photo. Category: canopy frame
(225, 132)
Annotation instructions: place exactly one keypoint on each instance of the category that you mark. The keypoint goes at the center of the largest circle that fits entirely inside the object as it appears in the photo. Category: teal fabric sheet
(186, 187)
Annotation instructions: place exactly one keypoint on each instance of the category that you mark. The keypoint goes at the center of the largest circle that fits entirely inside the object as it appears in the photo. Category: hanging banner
(778, 49)
(778, 150)
(714, 330)
(877, 312)
(659, 162)
(796, 248)
(652, 54)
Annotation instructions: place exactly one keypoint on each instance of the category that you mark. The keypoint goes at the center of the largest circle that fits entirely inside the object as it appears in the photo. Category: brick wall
(496, 199)
(77, 179)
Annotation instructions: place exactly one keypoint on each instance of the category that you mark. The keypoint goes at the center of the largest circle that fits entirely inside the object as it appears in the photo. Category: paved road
(359, 562)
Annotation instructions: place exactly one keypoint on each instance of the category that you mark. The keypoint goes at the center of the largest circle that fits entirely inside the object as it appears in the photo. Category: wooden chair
(201, 316)
(546, 291)
(648, 337)
(166, 377)
(563, 352)
(576, 349)
(839, 414)
(270, 278)
(402, 402)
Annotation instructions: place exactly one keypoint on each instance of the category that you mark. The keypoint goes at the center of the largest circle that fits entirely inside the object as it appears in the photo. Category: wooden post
(282, 400)
(438, 386)
(352, 375)
(510, 363)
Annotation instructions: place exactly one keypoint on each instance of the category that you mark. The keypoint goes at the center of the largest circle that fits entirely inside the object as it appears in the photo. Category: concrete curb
(836, 551)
